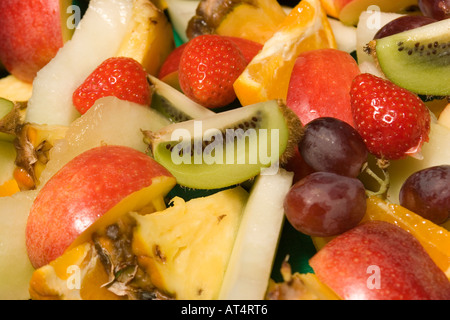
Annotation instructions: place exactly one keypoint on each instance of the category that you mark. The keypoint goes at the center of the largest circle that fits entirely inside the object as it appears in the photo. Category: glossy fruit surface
(325, 204)
(320, 83)
(393, 122)
(401, 24)
(435, 239)
(332, 145)
(209, 65)
(427, 193)
(122, 77)
(82, 191)
(378, 260)
(437, 9)
(267, 76)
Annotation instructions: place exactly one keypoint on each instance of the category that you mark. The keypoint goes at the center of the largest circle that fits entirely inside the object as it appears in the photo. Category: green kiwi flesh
(227, 148)
(173, 104)
(418, 59)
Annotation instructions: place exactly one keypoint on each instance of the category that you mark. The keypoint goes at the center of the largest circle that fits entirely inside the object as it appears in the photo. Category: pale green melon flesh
(200, 172)
(418, 59)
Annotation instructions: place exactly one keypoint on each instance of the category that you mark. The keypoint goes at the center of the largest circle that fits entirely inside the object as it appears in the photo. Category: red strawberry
(393, 121)
(208, 68)
(122, 77)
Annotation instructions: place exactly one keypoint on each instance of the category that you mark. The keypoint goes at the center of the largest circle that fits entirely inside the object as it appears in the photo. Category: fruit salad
(216, 150)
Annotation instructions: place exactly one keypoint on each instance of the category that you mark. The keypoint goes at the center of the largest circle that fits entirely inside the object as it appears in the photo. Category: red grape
(332, 145)
(427, 193)
(402, 24)
(437, 9)
(325, 204)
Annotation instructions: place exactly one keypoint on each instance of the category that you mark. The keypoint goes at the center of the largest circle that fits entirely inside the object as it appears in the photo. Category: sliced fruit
(11, 116)
(15, 269)
(320, 83)
(121, 77)
(298, 286)
(378, 260)
(14, 89)
(435, 152)
(8, 186)
(64, 278)
(165, 251)
(104, 124)
(267, 76)
(149, 38)
(370, 22)
(180, 12)
(444, 117)
(101, 30)
(255, 20)
(82, 191)
(186, 248)
(251, 260)
(348, 11)
(417, 59)
(231, 146)
(173, 104)
(33, 145)
(434, 239)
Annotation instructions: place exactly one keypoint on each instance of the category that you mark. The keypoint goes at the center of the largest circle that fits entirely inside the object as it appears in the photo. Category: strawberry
(393, 121)
(122, 77)
(209, 65)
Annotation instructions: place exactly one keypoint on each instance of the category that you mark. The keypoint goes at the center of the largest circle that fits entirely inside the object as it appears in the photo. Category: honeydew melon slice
(251, 260)
(97, 37)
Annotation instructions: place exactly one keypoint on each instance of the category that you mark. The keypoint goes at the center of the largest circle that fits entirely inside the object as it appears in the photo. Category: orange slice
(434, 238)
(267, 76)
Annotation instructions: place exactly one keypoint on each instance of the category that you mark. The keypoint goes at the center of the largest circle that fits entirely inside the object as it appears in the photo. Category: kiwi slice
(228, 148)
(173, 104)
(417, 59)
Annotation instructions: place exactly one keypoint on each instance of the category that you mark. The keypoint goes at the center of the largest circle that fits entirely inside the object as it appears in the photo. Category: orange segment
(434, 239)
(267, 75)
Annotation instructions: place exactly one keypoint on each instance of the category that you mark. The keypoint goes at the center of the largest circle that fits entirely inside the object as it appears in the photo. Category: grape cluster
(331, 200)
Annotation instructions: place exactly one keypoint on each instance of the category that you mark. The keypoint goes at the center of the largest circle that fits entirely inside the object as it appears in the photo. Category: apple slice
(31, 33)
(82, 191)
(378, 260)
(320, 84)
(251, 260)
(100, 31)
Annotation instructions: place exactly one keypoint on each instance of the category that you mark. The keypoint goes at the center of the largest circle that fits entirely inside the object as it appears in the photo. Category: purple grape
(332, 145)
(402, 24)
(436, 9)
(427, 193)
(325, 204)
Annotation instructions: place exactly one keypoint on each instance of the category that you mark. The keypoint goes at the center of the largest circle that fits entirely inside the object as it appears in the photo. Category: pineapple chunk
(186, 247)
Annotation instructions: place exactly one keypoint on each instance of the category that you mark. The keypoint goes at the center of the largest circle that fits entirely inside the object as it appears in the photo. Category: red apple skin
(31, 33)
(348, 264)
(169, 70)
(320, 85)
(81, 192)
